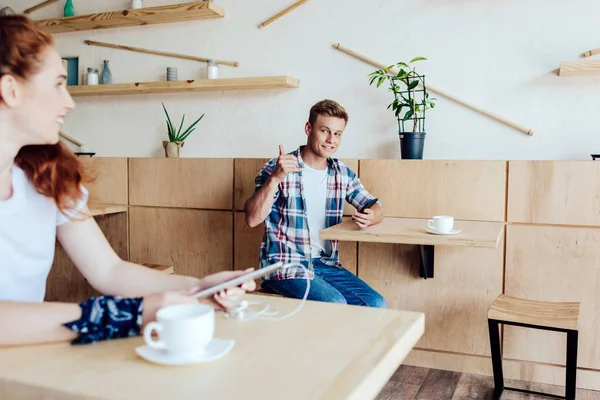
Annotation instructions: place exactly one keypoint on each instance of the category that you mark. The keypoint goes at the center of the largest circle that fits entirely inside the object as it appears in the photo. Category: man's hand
(286, 163)
(365, 219)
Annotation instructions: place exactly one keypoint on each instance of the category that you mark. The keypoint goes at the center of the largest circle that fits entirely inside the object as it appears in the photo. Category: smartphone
(250, 276)
(369, 204)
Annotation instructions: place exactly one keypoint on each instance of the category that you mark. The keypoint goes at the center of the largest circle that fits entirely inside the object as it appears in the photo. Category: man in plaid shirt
(301, 193)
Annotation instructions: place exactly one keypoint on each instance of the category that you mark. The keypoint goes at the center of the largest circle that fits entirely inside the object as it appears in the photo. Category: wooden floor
(412, 383)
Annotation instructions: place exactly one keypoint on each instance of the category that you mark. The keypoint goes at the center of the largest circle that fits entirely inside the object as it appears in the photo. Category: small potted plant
(411, 100)
(176, 137)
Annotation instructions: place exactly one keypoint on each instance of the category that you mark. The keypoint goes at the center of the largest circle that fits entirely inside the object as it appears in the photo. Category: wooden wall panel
(65, 282)
(110, 184)
(554, 192)
(554, 264)
(196, 242)
(466, 282)
(246, 170)
(348, 252)
(247, 240)
(470, 190)
(205, 183)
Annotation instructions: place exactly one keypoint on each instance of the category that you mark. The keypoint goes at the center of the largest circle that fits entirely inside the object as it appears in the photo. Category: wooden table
(326, 351)
(413, 231)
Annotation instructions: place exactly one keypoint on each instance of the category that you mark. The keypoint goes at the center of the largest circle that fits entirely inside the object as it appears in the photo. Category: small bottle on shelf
(69, 10)
(92, 76)
(213, 69)
(135, 4)
(106, 74)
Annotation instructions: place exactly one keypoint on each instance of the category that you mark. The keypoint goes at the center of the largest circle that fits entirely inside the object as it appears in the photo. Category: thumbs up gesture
(286, 163)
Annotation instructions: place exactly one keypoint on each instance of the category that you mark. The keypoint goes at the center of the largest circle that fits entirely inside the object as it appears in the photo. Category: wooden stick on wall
(374, 63)
(41, 5)
(156, 52)
(282, 13)
(71, 139)
(590, 53)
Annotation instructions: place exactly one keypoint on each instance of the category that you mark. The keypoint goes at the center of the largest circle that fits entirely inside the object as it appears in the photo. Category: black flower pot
(411, 145)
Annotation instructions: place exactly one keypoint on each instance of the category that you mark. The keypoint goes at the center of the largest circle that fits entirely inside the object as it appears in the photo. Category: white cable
(239, 313)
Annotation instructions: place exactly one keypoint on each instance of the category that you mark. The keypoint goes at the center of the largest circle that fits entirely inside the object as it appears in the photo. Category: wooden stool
(551, 316)
(167, 269)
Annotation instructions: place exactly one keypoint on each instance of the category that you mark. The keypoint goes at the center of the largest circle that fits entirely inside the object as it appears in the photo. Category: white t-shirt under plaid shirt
(314, 182)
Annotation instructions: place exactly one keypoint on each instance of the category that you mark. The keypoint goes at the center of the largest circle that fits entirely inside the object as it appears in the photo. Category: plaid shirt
(286, 237)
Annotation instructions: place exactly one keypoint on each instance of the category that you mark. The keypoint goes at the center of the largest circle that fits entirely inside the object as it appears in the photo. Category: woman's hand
(154, 302)
(229, 297)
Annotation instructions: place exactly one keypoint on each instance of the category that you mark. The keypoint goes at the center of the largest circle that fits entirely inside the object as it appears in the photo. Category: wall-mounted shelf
(412, 231)
(579, 68)
(99, 209)
(141, 16)
(200, 85)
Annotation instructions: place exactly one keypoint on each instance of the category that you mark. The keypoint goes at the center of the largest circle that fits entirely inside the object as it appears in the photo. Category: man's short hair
(329, 108)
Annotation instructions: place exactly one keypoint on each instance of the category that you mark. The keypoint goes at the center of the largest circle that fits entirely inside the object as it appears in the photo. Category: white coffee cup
(441, 223)
(184, 328)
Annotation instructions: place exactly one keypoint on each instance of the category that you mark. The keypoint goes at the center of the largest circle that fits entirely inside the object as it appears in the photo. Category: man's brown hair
(329, 108)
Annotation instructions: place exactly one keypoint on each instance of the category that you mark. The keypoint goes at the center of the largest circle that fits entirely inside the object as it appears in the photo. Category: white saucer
(216, 349)
(452, 232)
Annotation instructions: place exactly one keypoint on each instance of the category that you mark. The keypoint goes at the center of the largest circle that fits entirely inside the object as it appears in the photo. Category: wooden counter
(412, 231)
(99, 210)
(326, 351)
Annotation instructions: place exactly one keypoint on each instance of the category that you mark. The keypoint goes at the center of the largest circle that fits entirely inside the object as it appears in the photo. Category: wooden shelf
(412, 231)
(579, 68)
(97, 209)
(200, 85)
(141, 16)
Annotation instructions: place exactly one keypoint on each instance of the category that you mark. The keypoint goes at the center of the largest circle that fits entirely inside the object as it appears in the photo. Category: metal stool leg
(496, 358)
(570, 387)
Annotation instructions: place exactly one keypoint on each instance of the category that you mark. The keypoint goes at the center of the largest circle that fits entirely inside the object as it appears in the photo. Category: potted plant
(411, 100)
(176, 137)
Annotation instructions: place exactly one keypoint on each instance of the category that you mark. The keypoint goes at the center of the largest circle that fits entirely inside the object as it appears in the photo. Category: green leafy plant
(411, 98)
(178, 135)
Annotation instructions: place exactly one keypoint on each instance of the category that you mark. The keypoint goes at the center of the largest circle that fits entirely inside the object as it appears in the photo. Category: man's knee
(335, 297)
(376, 300)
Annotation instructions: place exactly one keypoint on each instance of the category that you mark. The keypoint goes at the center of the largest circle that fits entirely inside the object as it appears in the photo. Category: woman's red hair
(54, 170)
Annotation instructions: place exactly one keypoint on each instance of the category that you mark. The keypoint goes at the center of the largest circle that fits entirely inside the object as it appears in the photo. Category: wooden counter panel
(245, 172)
(246, 243)
(455, 301)
(469, 190)
(205, 183)
(109, 185)
(65, 282)
(554, 192)
(554, 264)
(196, 243)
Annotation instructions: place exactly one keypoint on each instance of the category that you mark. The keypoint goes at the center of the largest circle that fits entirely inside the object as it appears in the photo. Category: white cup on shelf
(441, 223)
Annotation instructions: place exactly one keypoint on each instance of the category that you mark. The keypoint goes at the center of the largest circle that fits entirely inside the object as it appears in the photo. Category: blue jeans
(330, 284)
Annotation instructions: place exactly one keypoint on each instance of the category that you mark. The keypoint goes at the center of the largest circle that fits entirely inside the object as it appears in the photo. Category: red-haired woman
(42, 198)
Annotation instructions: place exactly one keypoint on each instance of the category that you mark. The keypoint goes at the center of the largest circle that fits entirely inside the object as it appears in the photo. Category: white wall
(497, 54)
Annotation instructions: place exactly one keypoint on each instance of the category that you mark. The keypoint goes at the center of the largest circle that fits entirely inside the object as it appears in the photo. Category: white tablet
(250, 276)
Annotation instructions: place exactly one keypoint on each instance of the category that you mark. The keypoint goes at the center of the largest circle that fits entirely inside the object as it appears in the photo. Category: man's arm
(258, 206)
(358, 196)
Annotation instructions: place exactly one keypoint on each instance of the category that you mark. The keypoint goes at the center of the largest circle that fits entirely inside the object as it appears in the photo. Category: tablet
(250, 276)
